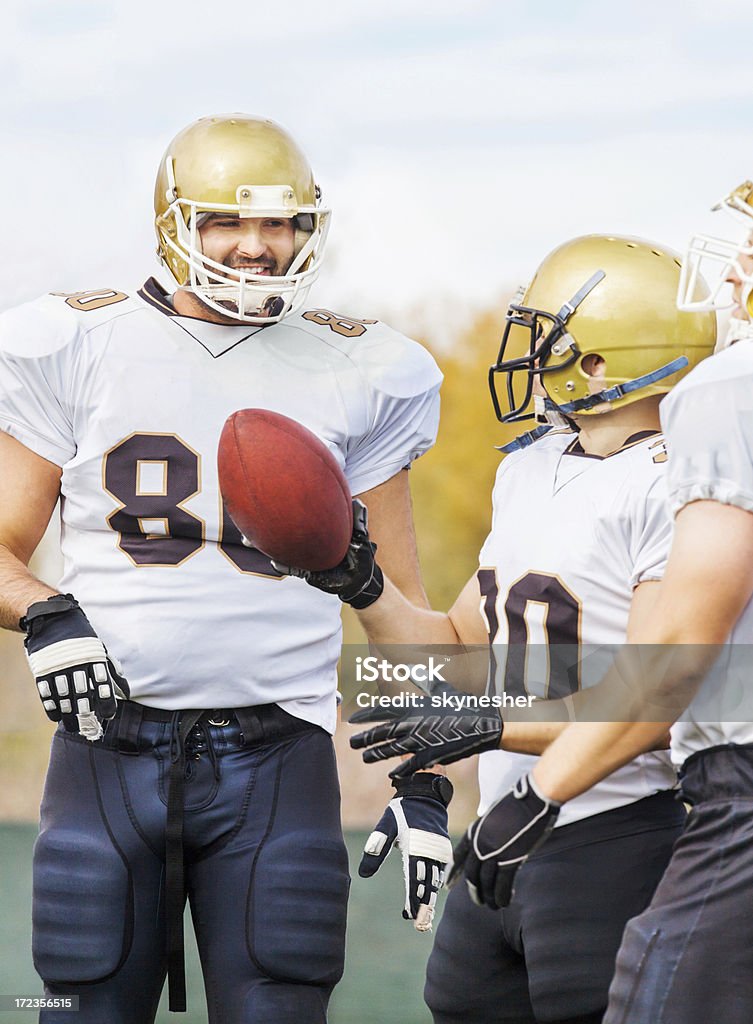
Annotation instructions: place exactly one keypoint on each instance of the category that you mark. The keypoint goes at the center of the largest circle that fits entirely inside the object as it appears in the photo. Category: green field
(385, 962)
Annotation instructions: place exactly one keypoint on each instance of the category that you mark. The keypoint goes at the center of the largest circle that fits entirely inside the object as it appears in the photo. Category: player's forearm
(393, 619)
(647, 682)
(18, 589)
(404, 632)
(536, 737)
(632, 709)
(530, 737)
(587, 752)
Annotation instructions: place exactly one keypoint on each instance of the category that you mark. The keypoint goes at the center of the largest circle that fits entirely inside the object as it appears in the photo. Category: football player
(579, 539)
(195, 686)
(689, 956)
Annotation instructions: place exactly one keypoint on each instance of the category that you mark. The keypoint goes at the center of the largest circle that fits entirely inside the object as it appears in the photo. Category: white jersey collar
(217, 339)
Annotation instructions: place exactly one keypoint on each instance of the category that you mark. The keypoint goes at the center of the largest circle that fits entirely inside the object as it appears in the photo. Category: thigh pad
(296, 908)
(82, 907)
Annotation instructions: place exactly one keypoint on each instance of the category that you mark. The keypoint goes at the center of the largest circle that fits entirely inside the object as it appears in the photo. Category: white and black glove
(77, 680)
(415, 821)
(496, 845)
(357, 580)
(439, 730)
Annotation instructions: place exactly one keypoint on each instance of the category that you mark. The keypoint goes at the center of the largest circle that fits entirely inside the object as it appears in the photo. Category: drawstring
(206, 747)
(213, 759)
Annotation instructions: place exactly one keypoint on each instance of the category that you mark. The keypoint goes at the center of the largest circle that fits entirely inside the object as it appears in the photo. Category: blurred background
(456, 144)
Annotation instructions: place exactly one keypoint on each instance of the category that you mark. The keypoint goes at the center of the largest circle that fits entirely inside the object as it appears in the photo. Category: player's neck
(603, 433)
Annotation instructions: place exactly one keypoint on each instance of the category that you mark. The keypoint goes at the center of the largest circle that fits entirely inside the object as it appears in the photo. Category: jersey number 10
(537, 603)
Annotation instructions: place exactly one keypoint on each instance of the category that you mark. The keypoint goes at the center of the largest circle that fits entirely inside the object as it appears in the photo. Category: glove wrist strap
(425, 784)
(370, 593)
(542, 796)
(58, 604)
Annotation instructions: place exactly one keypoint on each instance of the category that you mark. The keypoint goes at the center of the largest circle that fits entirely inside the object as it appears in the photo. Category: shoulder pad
(339, 325)
(647, 458)
(90, 301)
(50, 323)
(392, 363)
(730, 364)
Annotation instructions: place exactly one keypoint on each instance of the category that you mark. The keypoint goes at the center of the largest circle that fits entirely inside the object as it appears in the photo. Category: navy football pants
(549, 956)
(266, 875)
(688, 958)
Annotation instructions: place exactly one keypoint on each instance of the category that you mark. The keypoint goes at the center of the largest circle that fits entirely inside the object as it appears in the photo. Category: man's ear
(594, 365)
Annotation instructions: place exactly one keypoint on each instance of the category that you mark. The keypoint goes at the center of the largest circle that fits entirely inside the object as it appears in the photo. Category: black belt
(263, 723)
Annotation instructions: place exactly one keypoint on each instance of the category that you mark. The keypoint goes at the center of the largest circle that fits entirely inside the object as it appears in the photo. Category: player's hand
(495, 846)
(415, 821)
(77, 681)
(440, 731)
(357, 580)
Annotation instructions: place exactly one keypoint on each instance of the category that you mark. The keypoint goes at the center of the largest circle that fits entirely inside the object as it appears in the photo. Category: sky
(456, 143)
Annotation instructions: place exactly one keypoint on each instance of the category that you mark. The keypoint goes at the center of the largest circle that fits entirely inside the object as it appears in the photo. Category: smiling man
(217, 777)
(252, 246)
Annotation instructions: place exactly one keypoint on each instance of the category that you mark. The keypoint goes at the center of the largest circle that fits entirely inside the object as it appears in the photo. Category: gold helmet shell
(251, 167)
(607, 296)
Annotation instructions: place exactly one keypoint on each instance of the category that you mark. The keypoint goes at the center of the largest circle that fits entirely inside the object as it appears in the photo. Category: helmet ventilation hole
(593, 364)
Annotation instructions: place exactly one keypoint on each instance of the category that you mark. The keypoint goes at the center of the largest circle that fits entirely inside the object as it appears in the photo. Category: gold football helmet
(599, 295)
(717, 259)
(250, 167)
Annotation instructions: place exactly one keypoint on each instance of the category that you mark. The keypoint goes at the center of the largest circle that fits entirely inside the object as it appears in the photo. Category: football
(284, 489)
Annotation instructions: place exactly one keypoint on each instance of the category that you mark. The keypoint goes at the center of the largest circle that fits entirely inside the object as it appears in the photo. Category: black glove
(495, 845)
(439, 731)
(77, 681)
(416, 822)
(357, 580)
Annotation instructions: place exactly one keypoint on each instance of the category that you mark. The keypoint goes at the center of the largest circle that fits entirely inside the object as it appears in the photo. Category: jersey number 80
(152, 476)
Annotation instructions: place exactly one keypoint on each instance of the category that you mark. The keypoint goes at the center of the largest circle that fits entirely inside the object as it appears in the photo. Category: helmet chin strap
(558, 415)
(619, 390)
(545, 411)
(524, 440)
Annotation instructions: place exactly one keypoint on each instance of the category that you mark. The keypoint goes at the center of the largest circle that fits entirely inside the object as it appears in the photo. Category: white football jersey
(708, 420)
(130, 400)
(572, 535)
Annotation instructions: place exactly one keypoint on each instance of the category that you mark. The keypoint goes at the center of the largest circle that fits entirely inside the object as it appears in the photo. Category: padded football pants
(688, 959)
(265, 866)
(549, 957)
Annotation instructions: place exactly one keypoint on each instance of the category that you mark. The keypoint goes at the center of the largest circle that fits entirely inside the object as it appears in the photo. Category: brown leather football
(284, 489)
